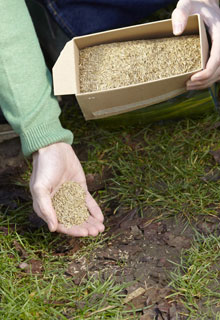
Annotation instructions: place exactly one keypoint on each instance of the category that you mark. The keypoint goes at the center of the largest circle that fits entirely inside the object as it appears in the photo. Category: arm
(25, 82)
(33, 112)
(210, 12)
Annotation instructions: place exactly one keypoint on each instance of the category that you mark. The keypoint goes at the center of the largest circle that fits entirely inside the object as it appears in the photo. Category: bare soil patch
(141, 251)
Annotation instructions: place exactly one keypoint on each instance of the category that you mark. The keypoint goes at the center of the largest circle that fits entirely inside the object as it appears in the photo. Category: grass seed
(119, 64)
(70, 205)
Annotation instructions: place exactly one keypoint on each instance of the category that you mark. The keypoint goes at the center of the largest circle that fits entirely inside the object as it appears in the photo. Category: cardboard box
(101, 104)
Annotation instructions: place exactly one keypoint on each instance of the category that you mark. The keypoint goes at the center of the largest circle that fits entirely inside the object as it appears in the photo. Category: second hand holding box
(106, 103)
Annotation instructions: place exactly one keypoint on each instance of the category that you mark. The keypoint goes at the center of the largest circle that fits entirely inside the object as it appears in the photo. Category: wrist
(56, 146)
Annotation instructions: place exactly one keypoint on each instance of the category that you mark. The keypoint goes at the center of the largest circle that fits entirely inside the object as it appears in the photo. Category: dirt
(140, 251)
(11, 158)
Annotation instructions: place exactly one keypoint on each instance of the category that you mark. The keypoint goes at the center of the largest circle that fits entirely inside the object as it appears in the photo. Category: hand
(52, 166)
(210, 13)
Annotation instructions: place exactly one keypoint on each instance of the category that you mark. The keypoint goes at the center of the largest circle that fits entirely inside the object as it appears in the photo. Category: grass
(158, 167)
(51, 294)
(166, 167)
(196, 279)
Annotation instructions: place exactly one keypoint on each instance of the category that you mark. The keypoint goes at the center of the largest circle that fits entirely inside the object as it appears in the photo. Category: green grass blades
(164, 168)
(196, 280)
(50, 293)
(161, 165)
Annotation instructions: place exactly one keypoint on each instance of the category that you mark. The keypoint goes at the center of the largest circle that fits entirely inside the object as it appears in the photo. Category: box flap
(64, 81)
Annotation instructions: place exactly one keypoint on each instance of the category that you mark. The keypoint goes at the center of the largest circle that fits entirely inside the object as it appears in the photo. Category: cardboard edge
(65, 75)
(91, 93)
(134, 106)
(203, 42)
(63, 72)
(128, 28)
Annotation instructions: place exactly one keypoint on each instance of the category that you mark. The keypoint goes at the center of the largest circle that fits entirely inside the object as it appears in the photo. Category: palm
(53, 166)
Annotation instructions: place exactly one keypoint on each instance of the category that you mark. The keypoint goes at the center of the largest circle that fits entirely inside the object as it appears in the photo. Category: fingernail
(177, 29)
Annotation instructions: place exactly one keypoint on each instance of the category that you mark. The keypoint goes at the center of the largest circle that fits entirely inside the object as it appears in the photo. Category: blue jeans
(80, 17)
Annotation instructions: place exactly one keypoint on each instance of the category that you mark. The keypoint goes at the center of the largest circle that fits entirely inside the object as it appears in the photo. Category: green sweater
(25, 83)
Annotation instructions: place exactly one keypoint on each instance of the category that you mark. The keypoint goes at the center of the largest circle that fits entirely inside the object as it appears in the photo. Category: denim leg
(79, 17)
(51, 37)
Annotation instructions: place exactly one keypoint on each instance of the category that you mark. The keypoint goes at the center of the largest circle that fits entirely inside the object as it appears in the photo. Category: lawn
(164, 175)
(158, 186)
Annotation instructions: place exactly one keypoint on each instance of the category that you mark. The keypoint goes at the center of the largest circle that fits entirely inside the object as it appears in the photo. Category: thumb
(44, 209)
(180, 16)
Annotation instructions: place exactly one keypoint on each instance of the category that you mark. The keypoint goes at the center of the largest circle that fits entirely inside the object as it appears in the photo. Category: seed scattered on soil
(70, 205)
(120, 64)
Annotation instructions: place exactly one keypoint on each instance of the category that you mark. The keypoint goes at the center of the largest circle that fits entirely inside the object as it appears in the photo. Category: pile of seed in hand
(120, 64)
(70, 205)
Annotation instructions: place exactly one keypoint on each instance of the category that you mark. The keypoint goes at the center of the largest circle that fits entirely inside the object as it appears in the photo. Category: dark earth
(138, 250)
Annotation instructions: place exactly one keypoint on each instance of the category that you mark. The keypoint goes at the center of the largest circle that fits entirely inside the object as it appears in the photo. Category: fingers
(211, 16)
(206, 78)
(47, 177)
(93, 208)
(180, 16)
(92, 227)
(75, 231)
(212, 71)
(199, 85)
(43, 207)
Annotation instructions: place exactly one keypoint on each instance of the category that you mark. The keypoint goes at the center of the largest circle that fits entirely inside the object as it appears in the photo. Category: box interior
(152, 30)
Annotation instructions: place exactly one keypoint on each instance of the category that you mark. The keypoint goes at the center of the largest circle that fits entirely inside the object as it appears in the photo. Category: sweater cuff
(44, 135)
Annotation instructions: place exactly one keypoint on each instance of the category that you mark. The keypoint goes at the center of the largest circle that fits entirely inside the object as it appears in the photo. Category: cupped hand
(210, 13)
(52, 166)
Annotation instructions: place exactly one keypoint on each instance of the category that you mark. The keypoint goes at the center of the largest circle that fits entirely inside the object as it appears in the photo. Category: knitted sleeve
(25, 83)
